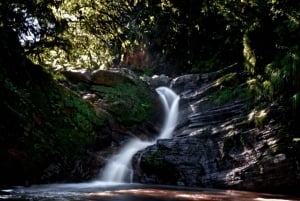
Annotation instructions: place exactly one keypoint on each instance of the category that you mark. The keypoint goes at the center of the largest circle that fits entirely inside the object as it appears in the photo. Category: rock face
(226, 146)
(112, 77)
(122, 100)
(80, 75)
(109, 77)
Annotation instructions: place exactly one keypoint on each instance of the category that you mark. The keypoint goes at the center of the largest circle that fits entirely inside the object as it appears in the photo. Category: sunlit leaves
(34, 22)
(93, 26)
(199, 35)
(165, 4)
(250, 59)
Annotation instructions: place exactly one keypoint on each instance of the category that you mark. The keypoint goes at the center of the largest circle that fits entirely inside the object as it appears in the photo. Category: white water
(119, 169)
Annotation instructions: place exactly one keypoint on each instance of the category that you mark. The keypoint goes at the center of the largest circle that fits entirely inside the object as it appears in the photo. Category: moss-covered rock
(131, 104)
(43, 123)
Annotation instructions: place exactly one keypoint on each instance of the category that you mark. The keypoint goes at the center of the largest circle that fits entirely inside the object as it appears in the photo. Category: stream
(115, 183)
(106, 191)
(118, 168)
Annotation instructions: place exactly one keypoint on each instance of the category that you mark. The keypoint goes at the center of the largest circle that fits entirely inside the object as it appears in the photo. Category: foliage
(34, 23)
(94, 27)
(194, 36)
(54, 121)
(198, 36)
(42, 121)
(130, 103)
(227, 94)
(228, 88)
(258, 117)
(98, 33)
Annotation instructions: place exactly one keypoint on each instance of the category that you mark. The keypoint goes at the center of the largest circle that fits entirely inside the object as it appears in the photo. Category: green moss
(61, 121)
(44, 120)
(229, 88)
(229, 79)
(226, 94)
(131, 104)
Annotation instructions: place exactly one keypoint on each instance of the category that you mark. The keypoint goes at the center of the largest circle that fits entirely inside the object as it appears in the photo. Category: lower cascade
(119, 169)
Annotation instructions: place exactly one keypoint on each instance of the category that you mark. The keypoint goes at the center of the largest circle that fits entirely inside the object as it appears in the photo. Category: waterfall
(118, 168)
(170, 102)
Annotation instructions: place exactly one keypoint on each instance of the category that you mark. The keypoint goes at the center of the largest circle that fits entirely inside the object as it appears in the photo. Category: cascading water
(170, 102)
(119, 167)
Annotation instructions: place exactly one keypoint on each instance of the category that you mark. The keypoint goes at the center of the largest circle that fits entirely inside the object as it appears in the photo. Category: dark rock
(219, 146)
(160, 80)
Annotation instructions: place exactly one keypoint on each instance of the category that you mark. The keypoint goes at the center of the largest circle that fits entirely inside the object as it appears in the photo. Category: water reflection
(189, 195)
(103, 191)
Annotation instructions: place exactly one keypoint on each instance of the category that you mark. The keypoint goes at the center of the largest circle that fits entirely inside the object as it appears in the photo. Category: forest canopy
(169, 35)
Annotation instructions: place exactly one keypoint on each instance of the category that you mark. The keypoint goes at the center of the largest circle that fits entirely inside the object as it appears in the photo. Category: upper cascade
(170, 101)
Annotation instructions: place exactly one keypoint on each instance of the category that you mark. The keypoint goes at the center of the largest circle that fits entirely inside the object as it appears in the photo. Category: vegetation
(193, 36)
(166, 36)
(131, 103)
(42, 122)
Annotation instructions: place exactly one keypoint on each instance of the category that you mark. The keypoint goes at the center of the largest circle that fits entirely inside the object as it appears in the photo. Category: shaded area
(42, 122)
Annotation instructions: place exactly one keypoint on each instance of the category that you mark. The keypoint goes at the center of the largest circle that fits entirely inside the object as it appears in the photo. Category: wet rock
(160, 80)
(219, 146)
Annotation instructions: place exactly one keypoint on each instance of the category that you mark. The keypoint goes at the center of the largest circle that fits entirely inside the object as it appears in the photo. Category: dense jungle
(72, 83)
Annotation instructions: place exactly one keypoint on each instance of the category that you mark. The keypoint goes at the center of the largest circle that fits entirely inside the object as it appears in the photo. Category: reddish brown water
(132, 192)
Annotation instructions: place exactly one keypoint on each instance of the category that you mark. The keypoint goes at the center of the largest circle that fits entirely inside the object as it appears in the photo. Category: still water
(105, 191)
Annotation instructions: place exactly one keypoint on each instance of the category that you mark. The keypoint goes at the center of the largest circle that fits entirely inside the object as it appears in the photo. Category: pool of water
(104, 191)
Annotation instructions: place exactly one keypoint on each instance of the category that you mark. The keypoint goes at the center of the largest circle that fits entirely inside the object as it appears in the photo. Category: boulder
(160, 80)
(108, 77)
(183, 82)
(78, 75)
(210, 156)
(112, 77)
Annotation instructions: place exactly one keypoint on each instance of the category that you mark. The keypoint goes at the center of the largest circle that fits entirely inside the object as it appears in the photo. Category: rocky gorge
(220, 144)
